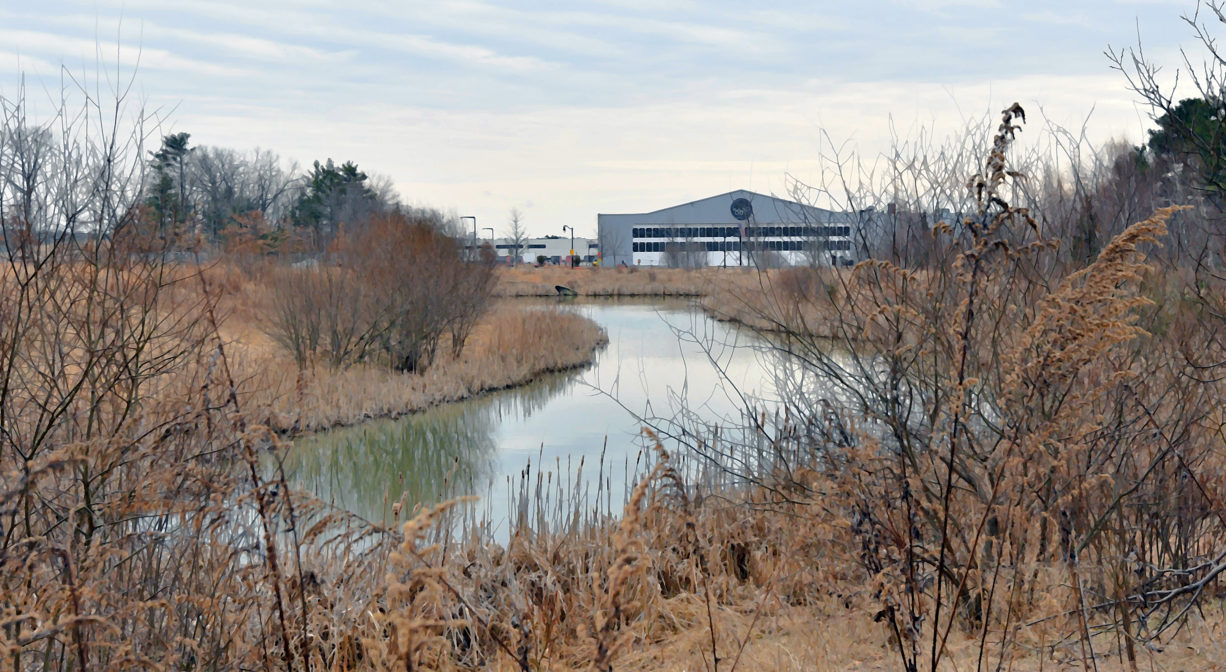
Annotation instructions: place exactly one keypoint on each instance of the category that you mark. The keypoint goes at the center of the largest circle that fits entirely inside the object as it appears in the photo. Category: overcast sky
(567, 109)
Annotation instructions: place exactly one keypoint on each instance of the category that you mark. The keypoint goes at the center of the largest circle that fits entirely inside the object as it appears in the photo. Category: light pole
(491, 243)
(572, 243)
(473, 251)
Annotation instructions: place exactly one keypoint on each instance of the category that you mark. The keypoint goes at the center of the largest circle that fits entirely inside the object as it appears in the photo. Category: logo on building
(742, 209)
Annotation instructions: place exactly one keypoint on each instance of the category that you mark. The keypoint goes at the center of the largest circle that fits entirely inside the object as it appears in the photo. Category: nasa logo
(742, 209)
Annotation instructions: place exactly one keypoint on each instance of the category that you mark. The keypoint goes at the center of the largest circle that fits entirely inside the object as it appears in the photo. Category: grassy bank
(763, 299)
(613, 282)
(511, 345)
(731, 577)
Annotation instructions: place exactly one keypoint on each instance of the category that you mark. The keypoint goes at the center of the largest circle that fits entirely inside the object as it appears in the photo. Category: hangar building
(739, 228)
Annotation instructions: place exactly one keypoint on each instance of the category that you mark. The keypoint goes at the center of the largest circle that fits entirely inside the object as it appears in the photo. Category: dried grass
(512, 344)
(619, 282)
(145, 523)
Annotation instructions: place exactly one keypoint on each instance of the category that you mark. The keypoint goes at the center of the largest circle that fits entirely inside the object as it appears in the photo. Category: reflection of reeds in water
(383, 466)
(414, 460)
(525, 401)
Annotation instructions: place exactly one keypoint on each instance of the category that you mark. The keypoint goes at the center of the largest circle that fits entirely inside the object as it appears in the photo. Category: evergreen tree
(1194, 133)
(168, 192)
(334, 196)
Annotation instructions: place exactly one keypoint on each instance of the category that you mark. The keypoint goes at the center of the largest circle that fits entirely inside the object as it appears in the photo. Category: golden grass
(612, 282)
(764, 299)
(784, 590)
(800, 300)
(512, 344)
(683, 578)
(783, 595)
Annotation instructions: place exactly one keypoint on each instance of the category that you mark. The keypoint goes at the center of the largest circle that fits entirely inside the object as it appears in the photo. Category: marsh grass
(510, 345)
(1050, 497)
(619, 282)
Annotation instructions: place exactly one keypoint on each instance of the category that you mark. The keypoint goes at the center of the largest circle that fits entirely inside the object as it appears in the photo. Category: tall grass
(509, 345)
(1006, 437)
(615, 282)
(1022, 466)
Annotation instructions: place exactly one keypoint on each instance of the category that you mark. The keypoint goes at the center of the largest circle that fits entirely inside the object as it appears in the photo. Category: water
(661, 359)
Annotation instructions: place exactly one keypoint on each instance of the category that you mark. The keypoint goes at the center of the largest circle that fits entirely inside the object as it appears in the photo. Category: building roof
(723, 201)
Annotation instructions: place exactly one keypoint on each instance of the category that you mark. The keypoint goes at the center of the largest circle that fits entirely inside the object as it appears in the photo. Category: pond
(566, 439)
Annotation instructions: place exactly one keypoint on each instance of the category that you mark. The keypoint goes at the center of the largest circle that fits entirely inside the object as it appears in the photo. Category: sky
(563, 110)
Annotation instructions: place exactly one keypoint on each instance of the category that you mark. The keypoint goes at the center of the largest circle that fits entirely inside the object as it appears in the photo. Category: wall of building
(740, 228)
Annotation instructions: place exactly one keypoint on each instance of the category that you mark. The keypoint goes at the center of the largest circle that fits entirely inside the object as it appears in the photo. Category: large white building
(740, 228)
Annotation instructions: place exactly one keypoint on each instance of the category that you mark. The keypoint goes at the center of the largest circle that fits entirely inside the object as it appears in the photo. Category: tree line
(385, 283)
(232, 197)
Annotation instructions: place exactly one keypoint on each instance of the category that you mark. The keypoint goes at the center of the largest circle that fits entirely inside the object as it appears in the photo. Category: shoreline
(513, 346)
(479, 393)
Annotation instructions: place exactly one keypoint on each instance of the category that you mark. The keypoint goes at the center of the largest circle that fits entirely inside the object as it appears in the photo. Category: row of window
(683, 232)
(735, 246)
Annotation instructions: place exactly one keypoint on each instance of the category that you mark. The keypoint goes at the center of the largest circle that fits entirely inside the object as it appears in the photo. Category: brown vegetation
(618, 282)
(1015, 461)
(1032, 453)
(390, 292)
(510, 344)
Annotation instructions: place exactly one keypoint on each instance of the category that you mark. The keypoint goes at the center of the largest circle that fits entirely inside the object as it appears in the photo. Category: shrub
(396, 289)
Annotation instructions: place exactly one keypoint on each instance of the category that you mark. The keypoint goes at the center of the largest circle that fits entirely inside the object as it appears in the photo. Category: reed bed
(704, 572)
(619, 282)
(512, 344)
(1031, 477)
(191, 558)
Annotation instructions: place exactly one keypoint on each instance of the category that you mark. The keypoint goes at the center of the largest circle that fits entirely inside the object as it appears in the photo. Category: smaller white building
(554, 250)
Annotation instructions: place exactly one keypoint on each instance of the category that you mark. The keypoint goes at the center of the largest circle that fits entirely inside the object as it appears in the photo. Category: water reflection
(667, 364)
(448, 451)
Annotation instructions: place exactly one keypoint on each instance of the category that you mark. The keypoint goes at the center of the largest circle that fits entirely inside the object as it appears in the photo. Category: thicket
(1015, 414)
(143, 519)
(358, 277)
(124, 528)
(394, 291)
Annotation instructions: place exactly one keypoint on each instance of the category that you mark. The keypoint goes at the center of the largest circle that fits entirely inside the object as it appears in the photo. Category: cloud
(234, 46)
(26, 64)
(937, 6)
(616, 105)
(49, 45)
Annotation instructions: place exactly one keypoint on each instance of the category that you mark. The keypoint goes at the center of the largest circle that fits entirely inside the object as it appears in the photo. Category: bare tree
(517, 234)
(612, 240)
(26, 153)
(118, 429)
(226, 185)
(399, 288)
(684, 252)
(993, 415)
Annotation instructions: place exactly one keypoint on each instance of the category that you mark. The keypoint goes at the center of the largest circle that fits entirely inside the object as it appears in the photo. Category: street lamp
(490, 229)
(572, 243)
(473, 251)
